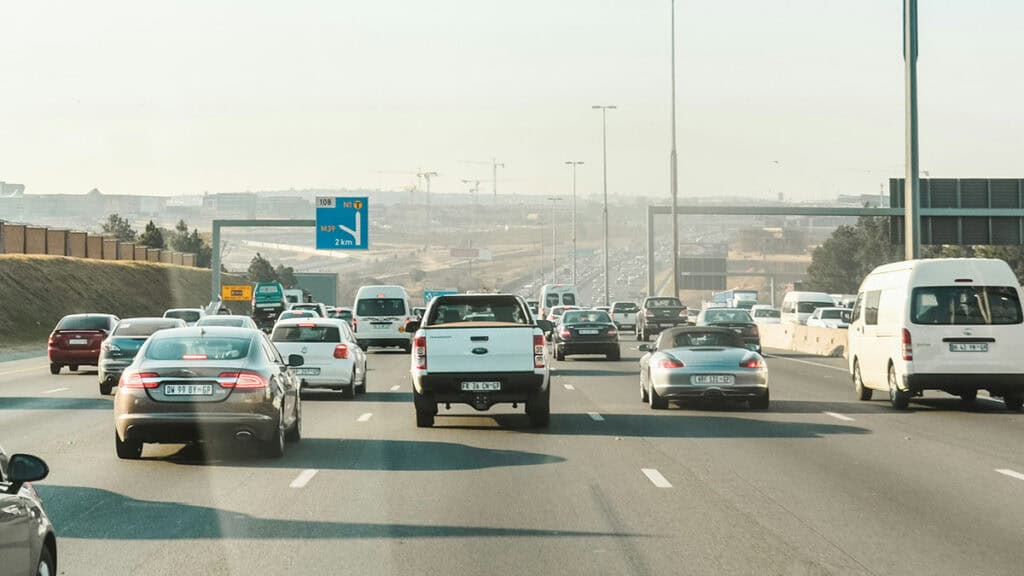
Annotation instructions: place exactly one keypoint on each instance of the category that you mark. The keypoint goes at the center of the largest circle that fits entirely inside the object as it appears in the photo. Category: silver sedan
(702, 362)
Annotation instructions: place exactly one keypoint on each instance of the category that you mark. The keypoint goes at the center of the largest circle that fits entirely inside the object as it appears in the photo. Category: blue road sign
(342, 223)
(431, 293)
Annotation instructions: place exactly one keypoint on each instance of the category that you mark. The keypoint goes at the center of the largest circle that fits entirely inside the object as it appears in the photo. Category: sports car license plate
(188, 389)
(78, 341)
(307, 371)
(713, 379)
(589, 332)
(481, 386)
(968, 346)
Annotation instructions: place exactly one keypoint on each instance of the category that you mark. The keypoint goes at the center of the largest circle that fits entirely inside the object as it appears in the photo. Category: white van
(797, 307)
(951, 324)
(379, 316)
(556, 295)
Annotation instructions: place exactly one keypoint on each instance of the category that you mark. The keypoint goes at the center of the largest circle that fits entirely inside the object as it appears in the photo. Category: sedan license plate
(307, 371)
(968, 346)
(188, 389)
(78, 341)
(481, 386)
(589, 332)
(713, 379)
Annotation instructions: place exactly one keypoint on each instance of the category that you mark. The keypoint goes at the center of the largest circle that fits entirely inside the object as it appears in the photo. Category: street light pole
(604, 155)
(673, 168)
(554, 270)
(912, 179)
(574, 164)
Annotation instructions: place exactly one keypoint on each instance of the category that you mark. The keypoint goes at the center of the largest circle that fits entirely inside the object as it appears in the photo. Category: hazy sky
(181, 97)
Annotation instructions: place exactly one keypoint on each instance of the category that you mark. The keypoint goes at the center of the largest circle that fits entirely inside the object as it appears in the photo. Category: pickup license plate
(968, 346)
(713, 379)
(78, 341)
(481, 386)
(307, 371)
(188, 389)
(381, 325)
(589, 332)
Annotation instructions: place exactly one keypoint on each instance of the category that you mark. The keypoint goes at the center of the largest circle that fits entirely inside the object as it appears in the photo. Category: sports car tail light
(538, 351)
(136, 379)
(241, 380)
(419, 351)
(670, 363)
(752, 363)
(341, 351)
(908, 348)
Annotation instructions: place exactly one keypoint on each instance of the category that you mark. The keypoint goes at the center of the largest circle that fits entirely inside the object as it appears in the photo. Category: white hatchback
(331, 357)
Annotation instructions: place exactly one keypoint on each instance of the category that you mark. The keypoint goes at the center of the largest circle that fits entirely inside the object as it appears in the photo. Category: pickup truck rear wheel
(424, 419)
(538, 408)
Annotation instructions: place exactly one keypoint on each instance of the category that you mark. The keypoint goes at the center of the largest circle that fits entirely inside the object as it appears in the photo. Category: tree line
(179, 239)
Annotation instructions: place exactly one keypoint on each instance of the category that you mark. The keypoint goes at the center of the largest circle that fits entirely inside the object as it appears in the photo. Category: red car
(77, 339)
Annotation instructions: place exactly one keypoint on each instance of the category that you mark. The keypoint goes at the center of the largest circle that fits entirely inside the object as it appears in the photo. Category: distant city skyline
(803, 98)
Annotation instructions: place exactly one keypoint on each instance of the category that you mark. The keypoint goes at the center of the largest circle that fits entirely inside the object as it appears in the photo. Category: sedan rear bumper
(186, 427)
(81, 357)
(593, 347)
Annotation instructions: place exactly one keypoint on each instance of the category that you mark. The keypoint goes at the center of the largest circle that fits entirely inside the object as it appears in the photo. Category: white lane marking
(656, 478)
(569, 386)
(303, 478)
(56, 390)
(365, 417)
(838, 416)
(395, 387)
(820, 365)
(1010, 473)
(19, 371)
(595, 416)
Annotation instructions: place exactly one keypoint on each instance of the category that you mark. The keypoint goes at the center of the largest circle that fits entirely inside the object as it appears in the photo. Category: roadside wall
(22, 239)
(805, 339)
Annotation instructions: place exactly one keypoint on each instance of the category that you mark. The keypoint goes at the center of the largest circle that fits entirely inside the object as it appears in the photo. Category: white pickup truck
(480, 350)
(624, 314)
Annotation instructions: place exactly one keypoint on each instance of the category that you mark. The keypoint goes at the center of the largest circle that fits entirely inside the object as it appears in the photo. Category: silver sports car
(702, 362)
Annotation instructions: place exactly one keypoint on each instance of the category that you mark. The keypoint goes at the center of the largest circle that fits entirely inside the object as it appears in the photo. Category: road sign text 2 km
(342, 223)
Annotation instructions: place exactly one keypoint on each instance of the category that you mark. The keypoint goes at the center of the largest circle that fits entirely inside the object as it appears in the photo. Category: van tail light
(752, 363)
(244, 380)
(668, 363)
(908, 348)
(419, 351)
(136, 379)
(341, 351)
(538, 350)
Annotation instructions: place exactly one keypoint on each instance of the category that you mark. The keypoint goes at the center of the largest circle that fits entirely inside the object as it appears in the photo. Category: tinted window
(835, 314)
(858, 308)
(222, 321)
(551, 300)
(186, 315)
(131, 327)
(585, 316)
(965, 305)
(84, 323)
(569, 299)
(664, 303)
(810, 307)
(345, 314)
(727, 316)
(686, 339)
(871, 307)
(194, 348)
(500, 309)
(767, 313)
(306, 334)
(381, 307)
(624, 307)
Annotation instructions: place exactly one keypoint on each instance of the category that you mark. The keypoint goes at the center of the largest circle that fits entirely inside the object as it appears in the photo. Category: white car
(380, 316)
(189, 315)
(765, 314)
(331, 357)
(318, 307)
(830, 318)
(228, 320)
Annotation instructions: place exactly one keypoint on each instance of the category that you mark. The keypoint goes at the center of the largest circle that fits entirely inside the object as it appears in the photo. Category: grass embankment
(36, 291)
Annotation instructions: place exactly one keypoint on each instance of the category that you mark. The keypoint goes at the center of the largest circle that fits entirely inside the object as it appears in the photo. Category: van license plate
(188, 389)
(713, 379)
(968, 346)
(307, 371)
(481, 386)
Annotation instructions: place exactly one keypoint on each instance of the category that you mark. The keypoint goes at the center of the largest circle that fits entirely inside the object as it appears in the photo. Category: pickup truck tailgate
(488, 348)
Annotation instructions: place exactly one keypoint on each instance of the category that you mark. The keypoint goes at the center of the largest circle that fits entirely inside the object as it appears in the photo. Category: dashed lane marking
(656, 478)
(395, 387)
(303, 478)
(56, 390)
(365, 417)
(838, 416)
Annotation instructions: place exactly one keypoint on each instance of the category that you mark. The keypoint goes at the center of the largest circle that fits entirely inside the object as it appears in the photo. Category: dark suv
(76, 340)
(658, 313)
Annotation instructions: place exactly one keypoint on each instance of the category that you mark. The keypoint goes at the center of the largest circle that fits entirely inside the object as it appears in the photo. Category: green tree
(842, 261)
(286, 276)
(260, 270)
(119, 227)
(152, 237)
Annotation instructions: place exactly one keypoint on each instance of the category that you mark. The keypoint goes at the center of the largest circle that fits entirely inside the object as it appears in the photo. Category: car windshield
(726, 316)
(309, 333)
(843, 315)
(767, 313)
(381, 307)
(497, 309)
(965, 305)
(580, 316)
(186, 315)
(663, 303)
(716, 338)
(84, 323)
(129, 327)
(198, 348)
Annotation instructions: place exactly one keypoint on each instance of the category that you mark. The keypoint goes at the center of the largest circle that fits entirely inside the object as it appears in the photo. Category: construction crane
(494, 164)
(412, 188)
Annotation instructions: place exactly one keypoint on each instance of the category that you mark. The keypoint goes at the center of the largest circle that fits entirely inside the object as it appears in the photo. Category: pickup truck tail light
(341, 351)
(908, 348)
(355, 325)
(419, 351)
(538, 351)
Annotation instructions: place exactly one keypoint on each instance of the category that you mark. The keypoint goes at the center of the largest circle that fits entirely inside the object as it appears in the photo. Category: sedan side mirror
(545, 325)
(645, 348)
(295, 360)
(25, 468)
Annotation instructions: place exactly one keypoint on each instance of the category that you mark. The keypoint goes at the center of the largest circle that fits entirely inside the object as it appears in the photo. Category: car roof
(196, 331)
(214, 317)
(85, 314)
(318, 320)
(149, 319)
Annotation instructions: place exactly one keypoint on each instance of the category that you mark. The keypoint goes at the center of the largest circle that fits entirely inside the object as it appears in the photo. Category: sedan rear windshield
(765, 313)
(624, 307)
(692, 339)
(727, 316)
(664, 303)
(578, 316)
(198, 348)
(84, 323)
(186, 315)
(381, 307)
(142, 327)
(965, 305)
(223, 321)
(306, 334)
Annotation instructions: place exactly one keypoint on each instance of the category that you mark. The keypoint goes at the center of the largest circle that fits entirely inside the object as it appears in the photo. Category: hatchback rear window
(198, 348)
(764, 313)
(306, 334)
(186, 315)
(965, 305)
(381, 307)
(142, 328)
(84, 323)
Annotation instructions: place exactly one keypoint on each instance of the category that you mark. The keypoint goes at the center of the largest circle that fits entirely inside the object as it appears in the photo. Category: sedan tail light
(136, 379)
(564, 334)
(613, 332)
(419, 351)
(341, 351)
(752, 363)
(908, 348)
(669, 363)
(648, 313)
(753, 330)
(241, 380)
(538, 351)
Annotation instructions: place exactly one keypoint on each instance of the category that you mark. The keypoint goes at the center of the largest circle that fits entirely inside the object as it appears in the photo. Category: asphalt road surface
(817, 484)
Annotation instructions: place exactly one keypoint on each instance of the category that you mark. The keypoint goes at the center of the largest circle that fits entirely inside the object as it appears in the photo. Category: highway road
(817, 484)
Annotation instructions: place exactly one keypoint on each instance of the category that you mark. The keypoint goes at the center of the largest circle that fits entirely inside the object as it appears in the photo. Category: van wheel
(900, 399)
(1014, 401)
(863, 393)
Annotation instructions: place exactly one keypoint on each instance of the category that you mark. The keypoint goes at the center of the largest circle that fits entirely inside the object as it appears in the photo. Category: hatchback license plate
(481, 386)
(78, 341)
(589, 332)
(713, 379)
(188, 389)
(307, 371)
(968, 346)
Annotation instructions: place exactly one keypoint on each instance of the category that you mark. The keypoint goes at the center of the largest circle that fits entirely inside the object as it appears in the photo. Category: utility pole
(673, 168)
(554, 252)
(494, 177)
(427, 175)
(574, 164)
(604, 155)
(912, 181)
(474, 190)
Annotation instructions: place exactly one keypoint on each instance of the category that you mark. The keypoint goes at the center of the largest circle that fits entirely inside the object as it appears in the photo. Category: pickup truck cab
(480, 350)
(658, 313)
(624, 314)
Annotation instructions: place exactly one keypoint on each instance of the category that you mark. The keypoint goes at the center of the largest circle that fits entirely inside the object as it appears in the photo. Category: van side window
(857, 312)
(569, 299)
(871, 307)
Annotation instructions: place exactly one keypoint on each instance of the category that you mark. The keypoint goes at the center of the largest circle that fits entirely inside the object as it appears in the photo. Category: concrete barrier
(110, 248)
(94, 247)
(35, 240)
(153, 254)
(166, 257)
(177, 258)
(188, 259)
(805, 339)
(14, 239)
(140, 252)
(126, 251)
(56, 242)
(76, 244)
